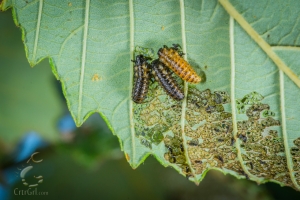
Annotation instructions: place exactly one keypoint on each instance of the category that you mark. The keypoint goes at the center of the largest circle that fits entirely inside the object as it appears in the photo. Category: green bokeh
(29, 99)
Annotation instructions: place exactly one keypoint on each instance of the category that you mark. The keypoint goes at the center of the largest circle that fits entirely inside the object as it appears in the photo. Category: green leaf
(29, 98)
(242, 120)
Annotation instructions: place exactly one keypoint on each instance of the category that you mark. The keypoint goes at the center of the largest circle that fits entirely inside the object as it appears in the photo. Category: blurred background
(83, 162)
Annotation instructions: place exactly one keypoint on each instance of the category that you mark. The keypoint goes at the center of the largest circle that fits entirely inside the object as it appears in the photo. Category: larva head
(178, 48)
(159, 51)
(155, 63)
(139, 60)
(175, 49)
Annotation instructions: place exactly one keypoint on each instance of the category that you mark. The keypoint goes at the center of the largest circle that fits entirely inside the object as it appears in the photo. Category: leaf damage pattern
(295, 154)
(209, 130)
(261, 146)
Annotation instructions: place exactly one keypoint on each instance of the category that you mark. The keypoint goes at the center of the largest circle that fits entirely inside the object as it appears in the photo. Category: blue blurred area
(29, 144)
(4, 192)
(66, 124)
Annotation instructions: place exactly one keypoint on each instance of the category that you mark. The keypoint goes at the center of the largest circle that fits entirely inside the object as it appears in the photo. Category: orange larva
(141, 79)
(171, 57)
(163, 76)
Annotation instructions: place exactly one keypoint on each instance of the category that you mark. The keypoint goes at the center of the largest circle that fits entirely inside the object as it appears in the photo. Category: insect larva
(141, 79)
(171, 57)
(163, 76)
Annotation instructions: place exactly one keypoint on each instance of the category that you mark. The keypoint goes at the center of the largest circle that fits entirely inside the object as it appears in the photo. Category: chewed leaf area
(261, 146)
(156, 116)
(295, 153)
(207, 126)
(209, 134)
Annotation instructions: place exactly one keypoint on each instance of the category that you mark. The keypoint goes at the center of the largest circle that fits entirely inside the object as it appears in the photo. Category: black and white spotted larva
(163, 76)
(141, 79)
(171, 57)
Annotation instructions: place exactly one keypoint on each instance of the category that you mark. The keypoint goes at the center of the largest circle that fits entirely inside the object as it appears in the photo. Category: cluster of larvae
(168, 58)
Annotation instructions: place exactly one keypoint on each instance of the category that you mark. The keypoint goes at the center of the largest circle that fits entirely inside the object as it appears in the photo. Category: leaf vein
(37, 33)
(83, 57)
(184, 102)
(232, 94)
(284, 132)
(130, 82)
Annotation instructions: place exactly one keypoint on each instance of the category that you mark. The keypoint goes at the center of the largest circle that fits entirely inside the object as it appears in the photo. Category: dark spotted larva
(163, 76)
(141, 79)
(171, 57)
